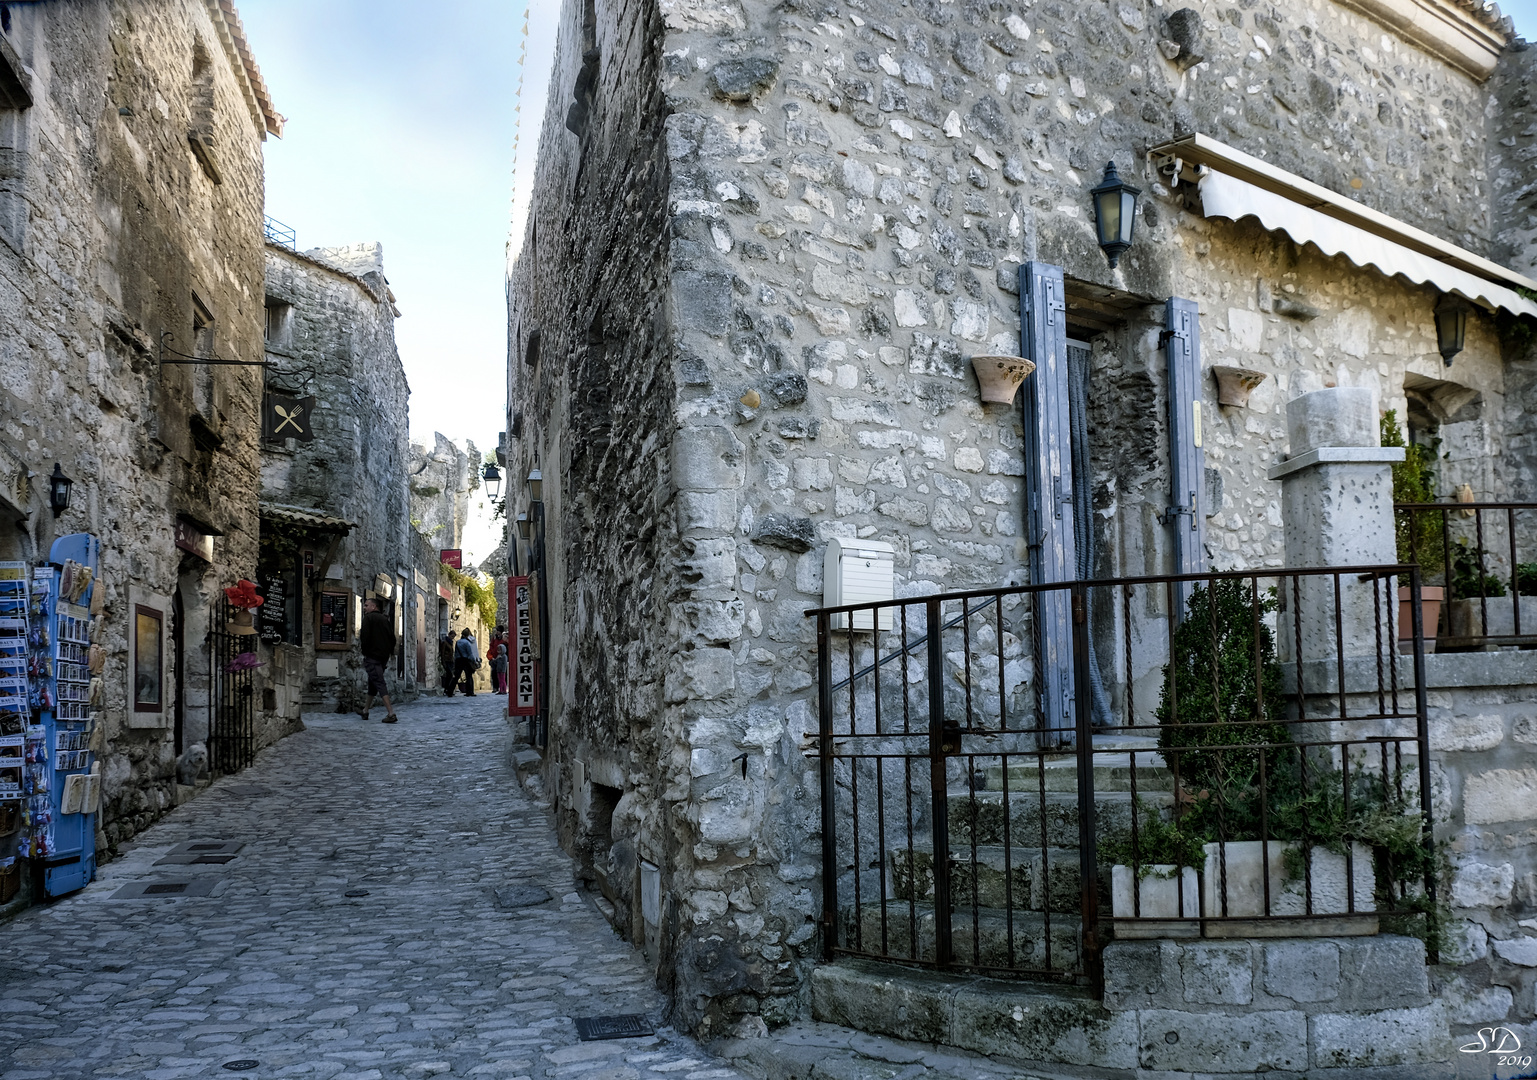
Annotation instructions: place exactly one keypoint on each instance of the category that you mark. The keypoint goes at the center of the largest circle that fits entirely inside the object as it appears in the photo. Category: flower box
(1165, 903)
(1237, 871)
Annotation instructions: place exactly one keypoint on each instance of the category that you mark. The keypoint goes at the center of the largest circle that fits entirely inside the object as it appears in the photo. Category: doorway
(178, 692)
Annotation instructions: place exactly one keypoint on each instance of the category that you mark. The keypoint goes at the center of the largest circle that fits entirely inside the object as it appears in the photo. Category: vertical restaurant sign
(524, 697)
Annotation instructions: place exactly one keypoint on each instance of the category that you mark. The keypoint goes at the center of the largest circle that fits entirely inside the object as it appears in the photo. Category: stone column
(1337, 503)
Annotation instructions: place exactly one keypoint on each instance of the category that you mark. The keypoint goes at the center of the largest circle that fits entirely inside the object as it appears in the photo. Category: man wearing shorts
(376, 638)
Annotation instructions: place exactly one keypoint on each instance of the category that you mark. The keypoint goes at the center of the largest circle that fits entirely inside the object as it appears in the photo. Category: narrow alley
(395, 908)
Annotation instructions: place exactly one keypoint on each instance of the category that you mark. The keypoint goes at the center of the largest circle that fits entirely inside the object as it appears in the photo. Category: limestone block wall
(1483, 736)
(850, 191)
(109, 224)
(335, 338)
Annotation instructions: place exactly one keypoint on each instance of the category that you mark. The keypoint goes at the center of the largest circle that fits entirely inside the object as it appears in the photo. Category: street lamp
(1451, 326)
(493, 478)
(535, 484)
(1115, 213)
(59, 487)
(523, 527)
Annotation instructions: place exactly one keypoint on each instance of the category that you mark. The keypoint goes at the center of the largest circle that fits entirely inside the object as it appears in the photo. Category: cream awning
(1228, 197)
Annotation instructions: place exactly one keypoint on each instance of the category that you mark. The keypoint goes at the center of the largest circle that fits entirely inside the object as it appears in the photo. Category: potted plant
(1480, 604)
(1155, 878)
(1418, 534)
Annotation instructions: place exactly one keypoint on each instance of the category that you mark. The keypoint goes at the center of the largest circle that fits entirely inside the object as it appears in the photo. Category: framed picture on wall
(148, 659)
(333, 619)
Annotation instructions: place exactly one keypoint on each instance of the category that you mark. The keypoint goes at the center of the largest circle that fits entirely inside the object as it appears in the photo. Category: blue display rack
(63, 817)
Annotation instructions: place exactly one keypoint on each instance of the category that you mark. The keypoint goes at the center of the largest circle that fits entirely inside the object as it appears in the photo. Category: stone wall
(850, 190)
(116, 235)
(332, 335)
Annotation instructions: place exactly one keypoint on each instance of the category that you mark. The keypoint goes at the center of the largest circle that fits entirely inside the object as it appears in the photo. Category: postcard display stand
(59, 783)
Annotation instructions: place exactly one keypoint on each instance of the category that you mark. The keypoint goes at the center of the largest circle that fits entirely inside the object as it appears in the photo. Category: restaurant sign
(523, 696)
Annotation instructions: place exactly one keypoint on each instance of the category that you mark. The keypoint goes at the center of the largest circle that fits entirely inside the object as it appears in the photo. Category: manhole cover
(355, 892)
(243, 1065)
(594, 1028)
(511, 897)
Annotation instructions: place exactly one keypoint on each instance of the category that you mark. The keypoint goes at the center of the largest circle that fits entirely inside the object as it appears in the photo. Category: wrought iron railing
(1479, 559)
(1259, 757)
(278, 233)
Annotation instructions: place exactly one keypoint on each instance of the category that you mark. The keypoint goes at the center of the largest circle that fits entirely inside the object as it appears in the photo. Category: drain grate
(207, 847)
(143, 890)
(194, 860)
(355, 893)
(595, 1028)
(242, 1065)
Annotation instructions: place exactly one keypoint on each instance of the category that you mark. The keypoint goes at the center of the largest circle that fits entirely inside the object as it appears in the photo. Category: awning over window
(1228, 197)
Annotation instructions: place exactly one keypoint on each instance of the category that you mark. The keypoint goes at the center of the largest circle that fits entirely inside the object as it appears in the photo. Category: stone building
(765, 240)
(336, 523)
(131, 254)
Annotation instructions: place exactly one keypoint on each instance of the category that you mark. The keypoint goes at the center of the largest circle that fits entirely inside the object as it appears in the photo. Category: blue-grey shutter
(1187, 461)
(1049, 487)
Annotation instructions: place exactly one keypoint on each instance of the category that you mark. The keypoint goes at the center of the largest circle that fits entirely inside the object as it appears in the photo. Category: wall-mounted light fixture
(493, 478)
(1115, 213)
(59, 488)
(1451, 326)
(523, 527)
(536, 485)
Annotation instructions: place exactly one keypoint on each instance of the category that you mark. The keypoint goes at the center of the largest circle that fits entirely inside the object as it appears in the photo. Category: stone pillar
(1337, 503)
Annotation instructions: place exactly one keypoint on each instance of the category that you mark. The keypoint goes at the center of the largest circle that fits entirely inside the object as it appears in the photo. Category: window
(148, 659)
(202, 329)
(279, 317)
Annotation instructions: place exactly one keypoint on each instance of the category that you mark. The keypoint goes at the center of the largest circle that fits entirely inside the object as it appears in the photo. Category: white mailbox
(859, 572)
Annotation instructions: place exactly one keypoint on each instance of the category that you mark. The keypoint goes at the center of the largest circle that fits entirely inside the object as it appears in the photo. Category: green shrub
(1418, 534)
(1470, 580)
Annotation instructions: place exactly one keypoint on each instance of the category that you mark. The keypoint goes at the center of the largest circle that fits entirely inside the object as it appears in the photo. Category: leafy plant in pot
(1417, 534)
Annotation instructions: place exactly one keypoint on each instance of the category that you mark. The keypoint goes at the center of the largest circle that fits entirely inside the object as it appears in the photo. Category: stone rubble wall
(339, 345)
(108, 225)
(851, 191)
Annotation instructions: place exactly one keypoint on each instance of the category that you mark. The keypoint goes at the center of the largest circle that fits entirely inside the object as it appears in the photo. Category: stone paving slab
(425, 974)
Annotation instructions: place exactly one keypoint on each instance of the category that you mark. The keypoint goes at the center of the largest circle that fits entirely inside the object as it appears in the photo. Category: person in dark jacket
(446, 662)
(376, 639)
(467, 660)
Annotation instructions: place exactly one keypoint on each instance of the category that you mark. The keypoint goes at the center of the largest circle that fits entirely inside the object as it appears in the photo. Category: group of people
(458, 658)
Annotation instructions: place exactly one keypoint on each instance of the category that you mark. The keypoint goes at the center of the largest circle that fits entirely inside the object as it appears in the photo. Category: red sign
(452, 557)
(523, 695)
(189, 538)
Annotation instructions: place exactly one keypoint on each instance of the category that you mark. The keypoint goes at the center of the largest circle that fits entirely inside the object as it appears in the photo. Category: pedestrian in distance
(467, 660)
(499, 670)
(376, 639)
(446, 662)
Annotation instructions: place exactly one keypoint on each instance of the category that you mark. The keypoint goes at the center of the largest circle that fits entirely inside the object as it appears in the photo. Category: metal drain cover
(194, 860)
(243, 1065)
(143, 890)
(512, 897)
(595, 1028)
(207, 847)
(354, 893)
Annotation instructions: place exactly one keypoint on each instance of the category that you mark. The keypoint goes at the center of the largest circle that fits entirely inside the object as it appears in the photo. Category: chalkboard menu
(272, 616)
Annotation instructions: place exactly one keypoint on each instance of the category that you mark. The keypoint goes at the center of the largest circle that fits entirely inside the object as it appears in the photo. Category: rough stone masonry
(765, 240)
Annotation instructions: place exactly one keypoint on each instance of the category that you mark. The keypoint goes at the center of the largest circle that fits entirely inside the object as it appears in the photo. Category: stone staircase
(1014, 875)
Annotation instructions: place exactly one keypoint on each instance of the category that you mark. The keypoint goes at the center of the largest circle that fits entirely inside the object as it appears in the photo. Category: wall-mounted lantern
(1451, 326)
(523, 527)
(1115, 213)
(59, 488)
(535, 485)
(493, 478)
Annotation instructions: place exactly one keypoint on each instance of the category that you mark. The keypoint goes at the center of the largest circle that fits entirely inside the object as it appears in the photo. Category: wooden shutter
(1187, 461)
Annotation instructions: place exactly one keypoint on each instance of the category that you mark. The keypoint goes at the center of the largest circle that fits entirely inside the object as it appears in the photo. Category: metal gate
(231, 727)
(961, 831)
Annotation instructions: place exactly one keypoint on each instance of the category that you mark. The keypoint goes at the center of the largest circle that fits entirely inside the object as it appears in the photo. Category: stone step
(984, 814)
(981, 938)
(1112, 772)
(1017, 879)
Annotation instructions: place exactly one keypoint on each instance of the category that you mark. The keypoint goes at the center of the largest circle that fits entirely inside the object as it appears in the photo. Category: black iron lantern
(1115, 213)
(523, 527)
(535, 484)
(1451, 326)
(59, 487)
(493, 478)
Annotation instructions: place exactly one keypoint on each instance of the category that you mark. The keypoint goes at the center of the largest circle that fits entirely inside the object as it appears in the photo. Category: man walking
(376, 639)
(467, 660)
(446, 661)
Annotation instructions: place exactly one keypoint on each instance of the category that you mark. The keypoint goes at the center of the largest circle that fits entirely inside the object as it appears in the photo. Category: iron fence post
(1088, 857)
(938, 794)
(829, 792)
(1422, 736)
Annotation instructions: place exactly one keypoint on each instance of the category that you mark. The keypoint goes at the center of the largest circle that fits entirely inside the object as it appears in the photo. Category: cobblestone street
(359, 932)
